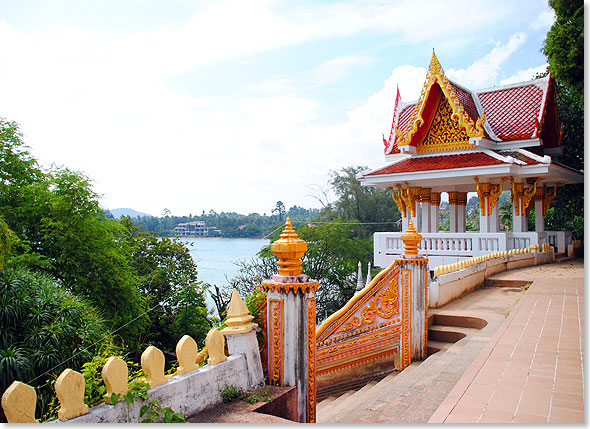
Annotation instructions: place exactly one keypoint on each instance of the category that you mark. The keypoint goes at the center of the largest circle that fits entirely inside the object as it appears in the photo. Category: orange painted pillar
(291, 316)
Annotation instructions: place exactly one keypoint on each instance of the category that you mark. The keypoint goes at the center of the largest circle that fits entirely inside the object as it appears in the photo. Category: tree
(59, 228)
(372, 207)
(279, 210)
(333, 252)
(44, 329)
(6, 241)
(564, 46)
(168, 281)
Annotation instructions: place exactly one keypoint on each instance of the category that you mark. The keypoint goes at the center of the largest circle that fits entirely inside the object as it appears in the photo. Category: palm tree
(44, 329)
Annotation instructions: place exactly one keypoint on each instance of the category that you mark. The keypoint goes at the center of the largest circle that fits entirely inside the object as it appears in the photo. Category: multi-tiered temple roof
(452, 133)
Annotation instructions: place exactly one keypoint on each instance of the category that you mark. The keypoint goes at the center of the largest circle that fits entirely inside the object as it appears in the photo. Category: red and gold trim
(275, 365)
(307, 287)
(311, 361)
(456, 111)
(406, 316)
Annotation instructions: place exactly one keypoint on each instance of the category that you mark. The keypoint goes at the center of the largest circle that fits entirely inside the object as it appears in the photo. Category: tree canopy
(564, 46)
(146, 287)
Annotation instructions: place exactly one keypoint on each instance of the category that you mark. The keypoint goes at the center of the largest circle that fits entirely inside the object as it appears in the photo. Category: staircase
(412, 396)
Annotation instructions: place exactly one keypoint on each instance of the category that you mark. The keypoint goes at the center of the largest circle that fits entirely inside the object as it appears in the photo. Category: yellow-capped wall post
(414, 286)
(291, 315)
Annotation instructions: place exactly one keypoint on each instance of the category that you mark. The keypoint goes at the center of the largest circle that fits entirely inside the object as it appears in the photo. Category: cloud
(544, 20)
(523, 75)
(484, 72)
(100, 102)
(335, 69)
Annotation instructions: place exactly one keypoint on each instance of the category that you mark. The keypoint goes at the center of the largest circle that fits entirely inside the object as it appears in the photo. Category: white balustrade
(448, 247)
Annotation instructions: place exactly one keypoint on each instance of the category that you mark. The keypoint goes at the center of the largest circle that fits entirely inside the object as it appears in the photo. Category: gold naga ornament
(491, 191)
(548, 197)
(398, 200)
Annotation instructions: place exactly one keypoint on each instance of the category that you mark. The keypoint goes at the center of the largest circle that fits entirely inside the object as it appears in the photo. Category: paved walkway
(532, 370)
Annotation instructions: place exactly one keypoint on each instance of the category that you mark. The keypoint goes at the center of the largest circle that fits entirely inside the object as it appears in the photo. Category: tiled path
(532, 369)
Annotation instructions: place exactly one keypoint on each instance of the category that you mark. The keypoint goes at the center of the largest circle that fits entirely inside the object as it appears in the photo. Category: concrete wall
(447, 287)
(190, 393)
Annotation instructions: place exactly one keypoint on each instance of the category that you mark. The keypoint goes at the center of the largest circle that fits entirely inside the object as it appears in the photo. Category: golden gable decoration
(444, 134)
(459, 116)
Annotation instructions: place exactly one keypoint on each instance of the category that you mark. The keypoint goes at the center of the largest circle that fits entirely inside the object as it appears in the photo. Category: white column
(493, 219)
(539, 218)
(426, 225)
(434, 211)
(453, 217)
(418, 218)
(518, 222)
(484, 221)
(453, 211)
(460, 218)
(434, 217)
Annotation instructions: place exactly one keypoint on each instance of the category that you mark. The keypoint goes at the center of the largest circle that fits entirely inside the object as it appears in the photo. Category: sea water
(216, 257)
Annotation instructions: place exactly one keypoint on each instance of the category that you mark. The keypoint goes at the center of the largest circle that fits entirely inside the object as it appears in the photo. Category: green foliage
(333, 252)
(256, 300)
(153, 412)
(373, 208)
(44, 328)
(60, 229)
(230, 392)
(230, 224)
(169, 284)
(6, 242)
(564, 46)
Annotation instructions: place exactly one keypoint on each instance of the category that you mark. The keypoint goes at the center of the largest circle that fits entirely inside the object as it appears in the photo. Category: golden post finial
(239, 320)
(411, 239)
(289, 249)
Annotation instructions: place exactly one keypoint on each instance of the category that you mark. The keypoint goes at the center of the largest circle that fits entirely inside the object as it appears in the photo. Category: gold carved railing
(364, 337)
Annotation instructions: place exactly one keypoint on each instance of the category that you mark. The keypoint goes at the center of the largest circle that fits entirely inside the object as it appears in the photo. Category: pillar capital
(289, 249)
(426, 194)
(435, 198)
(453, 195)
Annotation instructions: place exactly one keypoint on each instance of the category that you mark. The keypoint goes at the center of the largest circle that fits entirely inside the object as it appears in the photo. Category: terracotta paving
(532, 370)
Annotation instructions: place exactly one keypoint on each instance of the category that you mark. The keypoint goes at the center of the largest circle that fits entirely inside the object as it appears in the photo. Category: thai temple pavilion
(457, 140)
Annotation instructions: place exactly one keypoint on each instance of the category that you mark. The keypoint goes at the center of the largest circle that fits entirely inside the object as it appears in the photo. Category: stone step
(437, 346)
(448, 334)
(374, 394)
(326, 412)
(416, 394)
(335, 407)
(325, 402)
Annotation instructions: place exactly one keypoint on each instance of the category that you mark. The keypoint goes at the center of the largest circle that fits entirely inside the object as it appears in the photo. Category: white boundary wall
(192, 392)
(447, 287)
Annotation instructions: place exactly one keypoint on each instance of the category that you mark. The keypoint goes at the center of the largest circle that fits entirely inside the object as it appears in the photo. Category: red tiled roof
(512, 112)
(521, 157)
(441, 162)
(466, 101)
(404, 118)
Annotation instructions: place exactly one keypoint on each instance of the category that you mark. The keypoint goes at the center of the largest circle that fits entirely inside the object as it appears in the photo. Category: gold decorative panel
(445, 133)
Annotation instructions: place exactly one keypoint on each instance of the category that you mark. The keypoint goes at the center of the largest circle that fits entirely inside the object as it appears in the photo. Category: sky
(233, 105)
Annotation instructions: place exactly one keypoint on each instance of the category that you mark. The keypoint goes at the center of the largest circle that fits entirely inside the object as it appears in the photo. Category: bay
(215, 258)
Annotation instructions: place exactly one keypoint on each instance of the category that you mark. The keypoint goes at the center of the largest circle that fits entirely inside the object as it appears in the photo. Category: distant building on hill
(196, 228)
